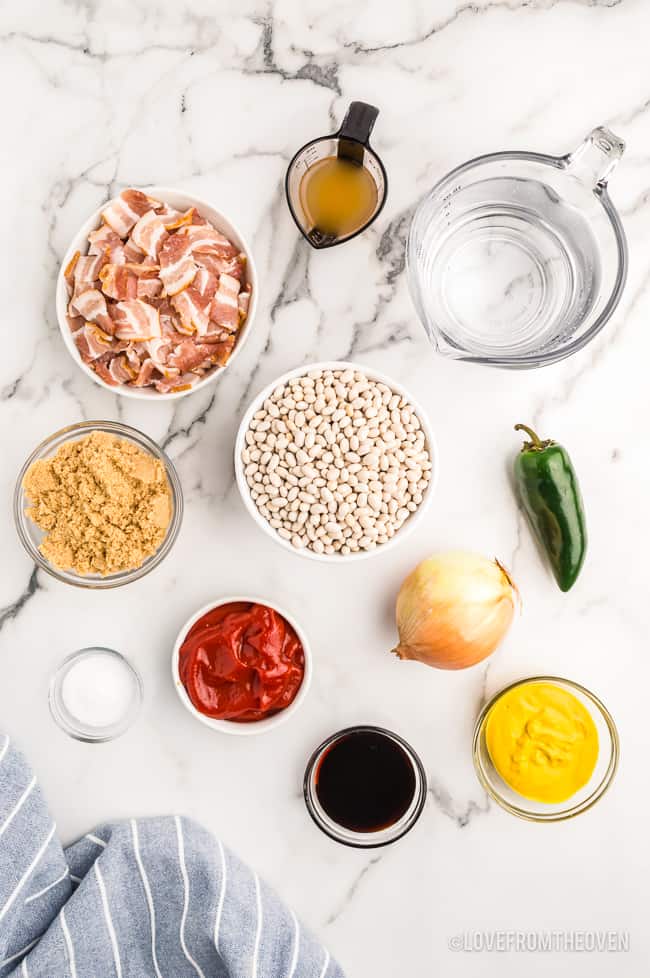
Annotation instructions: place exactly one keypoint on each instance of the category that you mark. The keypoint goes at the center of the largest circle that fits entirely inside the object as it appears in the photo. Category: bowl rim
(573, 810)
(122, 577)
(80, 240)
(256, 726)
(409, 524)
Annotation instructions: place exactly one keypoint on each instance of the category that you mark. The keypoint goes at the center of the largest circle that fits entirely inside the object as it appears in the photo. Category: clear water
(508, 268)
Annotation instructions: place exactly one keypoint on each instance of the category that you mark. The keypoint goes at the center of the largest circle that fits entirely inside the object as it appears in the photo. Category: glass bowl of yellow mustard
(545, 748)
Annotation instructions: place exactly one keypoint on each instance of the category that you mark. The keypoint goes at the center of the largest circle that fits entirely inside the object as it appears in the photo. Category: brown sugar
(103, 502)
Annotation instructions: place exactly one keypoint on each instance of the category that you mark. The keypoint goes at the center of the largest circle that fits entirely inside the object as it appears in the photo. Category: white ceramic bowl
(409, 524)
(256, 726)
(182, 201)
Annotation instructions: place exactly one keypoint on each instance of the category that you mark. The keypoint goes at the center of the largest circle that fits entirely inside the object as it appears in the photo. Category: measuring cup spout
(593, 161)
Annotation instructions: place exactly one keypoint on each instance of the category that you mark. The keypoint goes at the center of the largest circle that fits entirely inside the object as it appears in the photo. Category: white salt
(98, 690)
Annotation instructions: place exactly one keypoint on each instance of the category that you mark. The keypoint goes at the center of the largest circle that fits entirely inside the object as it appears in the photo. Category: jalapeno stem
(536, 441)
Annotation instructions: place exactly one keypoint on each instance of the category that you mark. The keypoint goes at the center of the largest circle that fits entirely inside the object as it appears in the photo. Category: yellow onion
(453, 610)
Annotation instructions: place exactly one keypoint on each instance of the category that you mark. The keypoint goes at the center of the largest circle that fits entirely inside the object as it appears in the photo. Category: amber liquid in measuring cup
(338, 196)
(336, 185)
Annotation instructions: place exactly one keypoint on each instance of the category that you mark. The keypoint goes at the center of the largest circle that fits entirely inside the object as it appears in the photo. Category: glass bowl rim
(422, 789)
(54, 688)
(121, 577)
(566, 813)
(530, 360)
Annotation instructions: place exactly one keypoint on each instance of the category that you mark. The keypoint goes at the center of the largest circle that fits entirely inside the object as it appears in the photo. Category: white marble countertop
(215, 98)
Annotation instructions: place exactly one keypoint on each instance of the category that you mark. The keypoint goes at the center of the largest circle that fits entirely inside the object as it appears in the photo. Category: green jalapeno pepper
(550, 494)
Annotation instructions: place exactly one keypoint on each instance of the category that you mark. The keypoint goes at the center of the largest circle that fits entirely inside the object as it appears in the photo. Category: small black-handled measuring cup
(351, 142)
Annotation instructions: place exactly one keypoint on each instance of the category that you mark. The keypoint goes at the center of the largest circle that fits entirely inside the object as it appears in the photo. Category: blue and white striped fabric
(149, 898)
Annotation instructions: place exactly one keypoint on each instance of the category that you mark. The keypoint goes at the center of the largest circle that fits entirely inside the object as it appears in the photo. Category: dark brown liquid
(365, 781)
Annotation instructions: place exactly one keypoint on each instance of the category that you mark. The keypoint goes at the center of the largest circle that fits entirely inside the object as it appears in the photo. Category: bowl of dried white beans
(335, 461)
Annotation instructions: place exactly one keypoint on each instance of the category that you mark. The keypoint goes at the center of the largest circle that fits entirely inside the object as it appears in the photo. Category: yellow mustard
(542, 741)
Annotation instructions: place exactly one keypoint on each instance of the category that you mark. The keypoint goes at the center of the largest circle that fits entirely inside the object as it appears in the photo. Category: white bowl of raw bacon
(156, 294)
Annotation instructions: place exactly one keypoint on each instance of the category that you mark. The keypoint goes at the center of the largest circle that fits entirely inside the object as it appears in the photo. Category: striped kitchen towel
(149, 898)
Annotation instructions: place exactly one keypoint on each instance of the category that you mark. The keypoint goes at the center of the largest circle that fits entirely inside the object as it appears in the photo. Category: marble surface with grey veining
(214, 98)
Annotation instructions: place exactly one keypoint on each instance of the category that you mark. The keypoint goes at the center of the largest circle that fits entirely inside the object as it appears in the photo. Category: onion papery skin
(453, 610)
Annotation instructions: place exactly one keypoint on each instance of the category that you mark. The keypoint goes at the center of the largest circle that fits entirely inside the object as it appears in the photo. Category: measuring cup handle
(593, 161)
(355, 130)
(358, 122)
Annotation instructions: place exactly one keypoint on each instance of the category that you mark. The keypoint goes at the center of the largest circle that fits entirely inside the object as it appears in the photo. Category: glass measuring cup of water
(519, 259)
(351, 146)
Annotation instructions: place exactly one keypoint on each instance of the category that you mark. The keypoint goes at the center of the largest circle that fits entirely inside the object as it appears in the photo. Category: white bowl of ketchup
(242, 727)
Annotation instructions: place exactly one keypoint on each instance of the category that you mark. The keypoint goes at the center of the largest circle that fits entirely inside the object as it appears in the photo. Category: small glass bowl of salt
(95, 695)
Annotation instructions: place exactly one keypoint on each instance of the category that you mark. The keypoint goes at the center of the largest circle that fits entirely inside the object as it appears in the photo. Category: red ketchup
(242, 662)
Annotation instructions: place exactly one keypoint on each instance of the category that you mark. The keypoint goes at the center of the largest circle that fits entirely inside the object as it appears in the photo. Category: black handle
(355, 130)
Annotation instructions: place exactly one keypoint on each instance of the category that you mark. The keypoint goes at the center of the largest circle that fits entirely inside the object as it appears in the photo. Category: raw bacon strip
(136, 320)
(145, 374)
(177, 268)
(243, 301)
(86, 271)
(68, 272)
(101, 239)
(176, 220)
(214, 351)
(172, 385)
(203, 237)
(225, 309)
(91, 342)
(134, 355)
(171, 332)
(149, 288)
(223, 266)
(205, 283)
(131, 252)
(149, 234)
(104, 241)
(173, 218)
(216, 334)
(221, 351)
(167, 319)
(158, 351)
(103, 370)
(92, 306)
(123, 212)
(119, 282)
(192, 308)
(121, 370)
(165, 211)
(74, 322)
(188, 355)
(143, 269)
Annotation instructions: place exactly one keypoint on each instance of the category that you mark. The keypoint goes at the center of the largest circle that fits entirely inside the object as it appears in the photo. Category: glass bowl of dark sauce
(365, 787)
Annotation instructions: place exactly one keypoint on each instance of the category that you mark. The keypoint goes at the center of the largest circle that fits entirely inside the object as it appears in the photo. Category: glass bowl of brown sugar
(98, 505)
